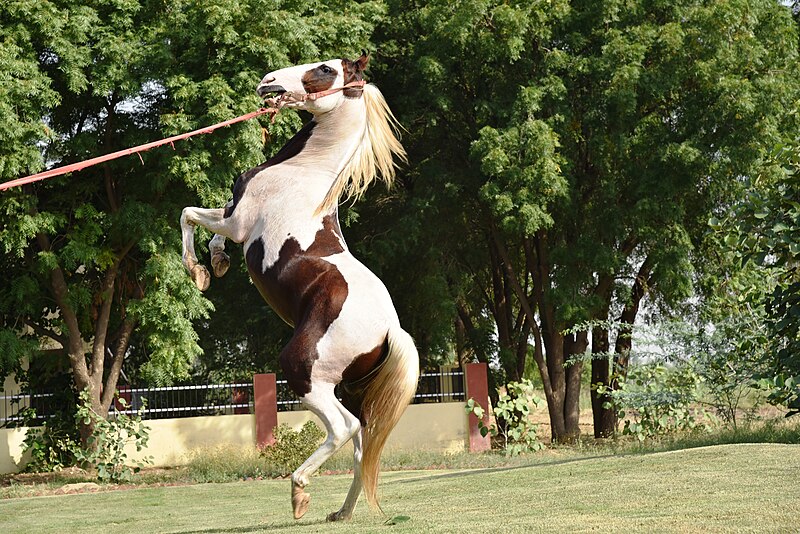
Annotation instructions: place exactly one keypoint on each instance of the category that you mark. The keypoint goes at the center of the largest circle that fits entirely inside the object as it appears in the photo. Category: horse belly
(360, 328)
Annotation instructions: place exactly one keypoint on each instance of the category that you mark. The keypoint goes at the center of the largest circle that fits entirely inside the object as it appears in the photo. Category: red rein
(169, 140)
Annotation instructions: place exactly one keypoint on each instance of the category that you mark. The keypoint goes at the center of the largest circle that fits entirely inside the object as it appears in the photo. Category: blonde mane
(374, 155)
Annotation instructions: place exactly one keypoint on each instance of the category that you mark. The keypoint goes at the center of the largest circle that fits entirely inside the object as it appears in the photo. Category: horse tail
(385, 399)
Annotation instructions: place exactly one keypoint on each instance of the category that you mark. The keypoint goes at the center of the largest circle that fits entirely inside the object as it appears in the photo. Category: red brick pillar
(477, 386)
(266, 408)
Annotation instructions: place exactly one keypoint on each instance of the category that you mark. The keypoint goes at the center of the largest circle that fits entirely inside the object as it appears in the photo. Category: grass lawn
(720, 488)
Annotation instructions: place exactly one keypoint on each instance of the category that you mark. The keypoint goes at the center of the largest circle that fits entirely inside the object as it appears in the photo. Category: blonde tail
(385, 400)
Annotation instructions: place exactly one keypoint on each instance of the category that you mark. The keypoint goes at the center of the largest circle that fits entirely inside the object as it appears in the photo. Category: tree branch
(60, 290)
(101, 324)
(46, 332)
(116, 364)
(538, 354)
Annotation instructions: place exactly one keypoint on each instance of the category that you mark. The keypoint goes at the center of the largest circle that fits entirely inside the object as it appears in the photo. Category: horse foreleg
(219, 260)
(340, 424)
(214, 220)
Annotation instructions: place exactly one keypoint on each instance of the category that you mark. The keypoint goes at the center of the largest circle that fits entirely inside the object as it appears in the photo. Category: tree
(585, 145)
(92, 258)
(763, 230)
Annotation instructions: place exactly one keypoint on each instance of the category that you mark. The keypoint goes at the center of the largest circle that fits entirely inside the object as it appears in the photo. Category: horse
(285, 212)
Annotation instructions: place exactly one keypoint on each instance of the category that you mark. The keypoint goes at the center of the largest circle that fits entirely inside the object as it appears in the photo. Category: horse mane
(374, 155)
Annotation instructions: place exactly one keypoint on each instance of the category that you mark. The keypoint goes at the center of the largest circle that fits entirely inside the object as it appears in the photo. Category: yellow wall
(10, 385)
(439, 427)
(11, 457)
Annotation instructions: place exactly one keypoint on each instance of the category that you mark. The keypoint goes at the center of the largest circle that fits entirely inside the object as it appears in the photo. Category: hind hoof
(220, 262)
(201, 277)
(338, 516)
(300, 501)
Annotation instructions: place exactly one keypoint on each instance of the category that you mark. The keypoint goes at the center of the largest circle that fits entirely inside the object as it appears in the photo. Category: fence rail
(209, 399)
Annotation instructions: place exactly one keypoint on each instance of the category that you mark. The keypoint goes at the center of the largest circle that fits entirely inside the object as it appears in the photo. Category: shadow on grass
(262, 527)
(488, 470)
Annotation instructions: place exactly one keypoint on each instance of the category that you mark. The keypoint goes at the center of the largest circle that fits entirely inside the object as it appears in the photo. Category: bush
(105, 447)
(512, 426)
(655, 400)
(51, 446)
(291, 448)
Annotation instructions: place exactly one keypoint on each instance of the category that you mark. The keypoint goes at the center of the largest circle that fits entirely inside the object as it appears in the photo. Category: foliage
(764, 228)
(727, 350)
(51, 446)
(512, 427)
(94, 256)
(105, 448)
(655, 400)
(590, 141)
(292, 447)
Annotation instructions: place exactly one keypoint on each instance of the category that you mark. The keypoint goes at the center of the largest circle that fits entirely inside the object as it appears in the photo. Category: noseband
(295, 98)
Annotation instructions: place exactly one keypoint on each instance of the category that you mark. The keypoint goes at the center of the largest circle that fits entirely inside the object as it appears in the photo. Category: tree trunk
(622, 348)
(574, 346)
(604, 417)
(472, 335)
(88, 369)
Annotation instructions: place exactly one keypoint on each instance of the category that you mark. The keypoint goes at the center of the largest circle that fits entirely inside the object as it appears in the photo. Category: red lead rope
(128, 151)
(169, 140)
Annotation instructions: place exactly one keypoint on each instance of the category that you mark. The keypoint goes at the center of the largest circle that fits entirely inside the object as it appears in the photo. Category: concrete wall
(439, 427)
(11, 457)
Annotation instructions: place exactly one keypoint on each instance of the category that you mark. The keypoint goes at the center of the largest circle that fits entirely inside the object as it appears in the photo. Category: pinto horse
(285, 211)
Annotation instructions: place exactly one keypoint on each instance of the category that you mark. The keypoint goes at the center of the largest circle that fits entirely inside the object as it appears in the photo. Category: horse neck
(334, 140)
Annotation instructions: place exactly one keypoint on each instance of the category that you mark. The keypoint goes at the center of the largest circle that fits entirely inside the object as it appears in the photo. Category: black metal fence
(208, 399)
(18, 409)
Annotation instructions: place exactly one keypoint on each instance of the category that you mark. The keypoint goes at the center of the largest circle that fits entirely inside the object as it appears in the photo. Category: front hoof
(201, 277)
(300, 501)
(220, 263)
(337, 516)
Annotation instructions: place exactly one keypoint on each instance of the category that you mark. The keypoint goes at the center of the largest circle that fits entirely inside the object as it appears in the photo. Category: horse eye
(326, 69)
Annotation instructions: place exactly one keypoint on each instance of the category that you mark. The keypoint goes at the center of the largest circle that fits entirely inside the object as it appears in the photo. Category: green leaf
(396, 520)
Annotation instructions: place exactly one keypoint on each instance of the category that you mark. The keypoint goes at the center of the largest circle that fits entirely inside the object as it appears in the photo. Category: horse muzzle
(265, 90)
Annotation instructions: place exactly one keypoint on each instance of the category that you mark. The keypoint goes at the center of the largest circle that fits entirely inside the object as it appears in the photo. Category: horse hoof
(220, 263)
(201, 277)
(300, 501)
(337, 516)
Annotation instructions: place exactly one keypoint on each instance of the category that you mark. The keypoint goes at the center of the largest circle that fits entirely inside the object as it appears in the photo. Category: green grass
(721, 488)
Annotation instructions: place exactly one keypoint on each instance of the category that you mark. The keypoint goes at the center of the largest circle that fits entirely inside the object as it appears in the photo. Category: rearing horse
(285, 211)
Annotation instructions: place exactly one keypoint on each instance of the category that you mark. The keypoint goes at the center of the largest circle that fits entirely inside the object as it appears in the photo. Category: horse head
(315, 87)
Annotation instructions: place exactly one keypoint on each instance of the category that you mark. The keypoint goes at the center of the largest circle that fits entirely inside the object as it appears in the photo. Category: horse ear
(363, 61)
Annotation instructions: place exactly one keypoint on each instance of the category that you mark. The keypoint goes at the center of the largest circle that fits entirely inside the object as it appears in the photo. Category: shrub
(105, 448)
(512, 426)
(50, 446)
(656, 399)
(291, 448)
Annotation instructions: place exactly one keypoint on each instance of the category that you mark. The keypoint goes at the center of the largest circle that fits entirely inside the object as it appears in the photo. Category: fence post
(477, 386)
(266, 408)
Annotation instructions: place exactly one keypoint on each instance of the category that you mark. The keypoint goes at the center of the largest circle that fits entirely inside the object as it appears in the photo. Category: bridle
(295, 98)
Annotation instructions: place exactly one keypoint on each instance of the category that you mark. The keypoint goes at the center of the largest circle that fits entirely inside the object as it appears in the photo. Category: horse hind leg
(341, 426)
(346, 511)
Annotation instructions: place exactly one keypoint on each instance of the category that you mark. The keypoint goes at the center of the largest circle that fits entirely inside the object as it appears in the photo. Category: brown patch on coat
(305, 291)
(319, 78)
(358, 375)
